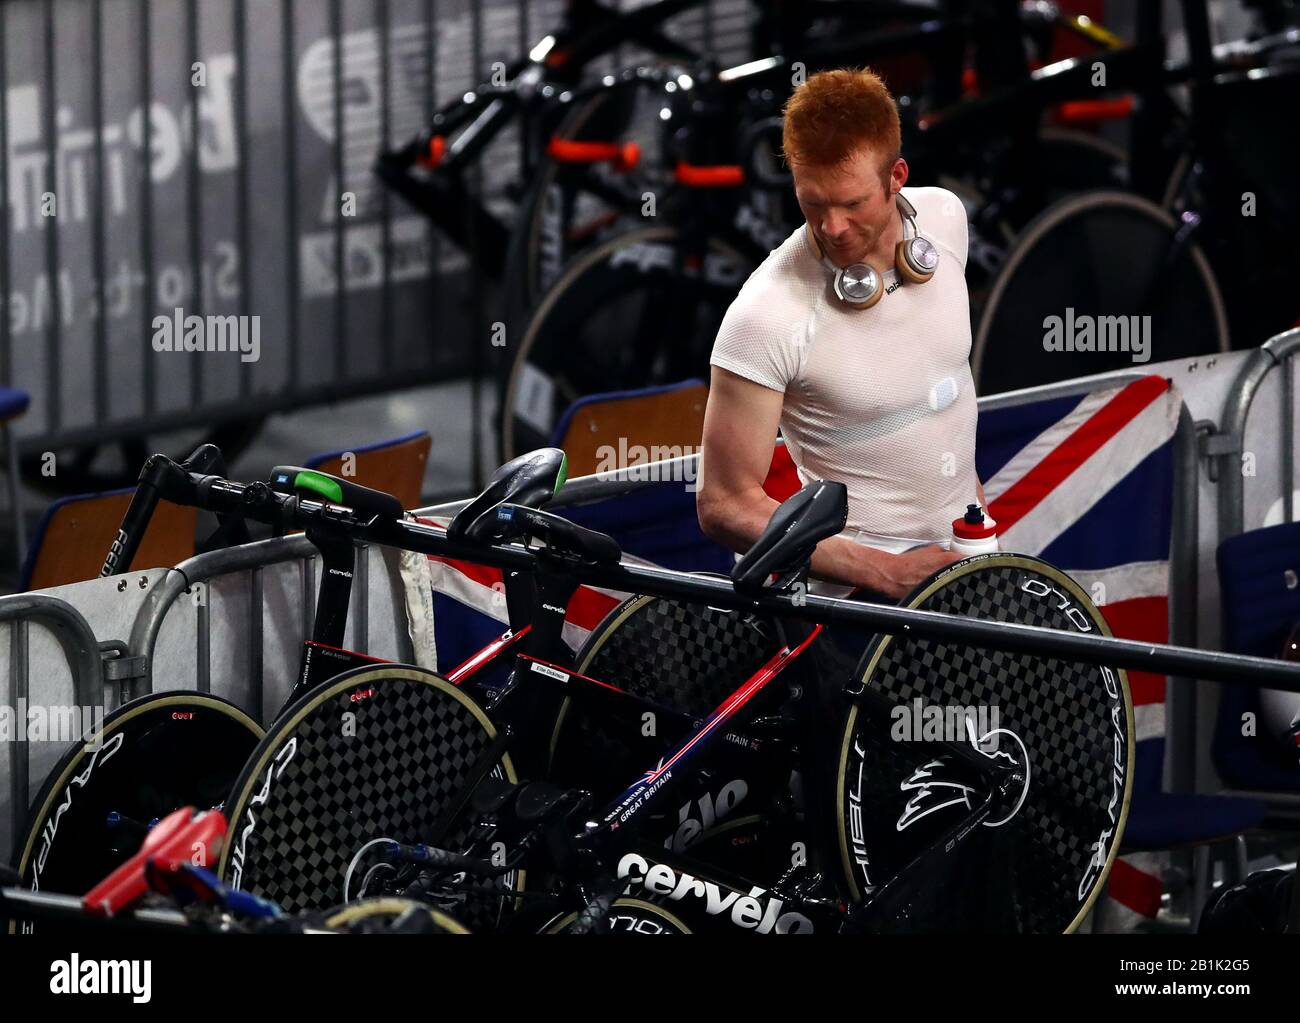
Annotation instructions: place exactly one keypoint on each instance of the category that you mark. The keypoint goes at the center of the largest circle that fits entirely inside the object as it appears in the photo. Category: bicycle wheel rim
(537, 390)
(1063, 864)
(156, 754)
(1062, 267)
(322, 786)
(358, 915)
(625, 916)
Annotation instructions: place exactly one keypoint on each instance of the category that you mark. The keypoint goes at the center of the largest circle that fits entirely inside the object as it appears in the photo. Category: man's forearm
(835, 559)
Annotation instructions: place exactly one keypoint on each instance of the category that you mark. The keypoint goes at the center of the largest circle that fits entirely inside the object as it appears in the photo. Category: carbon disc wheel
(156, 754)
(380, 753)
(1039, 861)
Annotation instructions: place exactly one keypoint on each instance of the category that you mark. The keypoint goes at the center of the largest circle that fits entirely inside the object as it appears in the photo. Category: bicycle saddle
(531, 480)
(818, 511)
(561, 537)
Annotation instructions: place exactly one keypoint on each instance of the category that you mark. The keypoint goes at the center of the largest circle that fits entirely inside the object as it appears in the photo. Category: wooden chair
(599, 431)
(75, 533)
(394, 466)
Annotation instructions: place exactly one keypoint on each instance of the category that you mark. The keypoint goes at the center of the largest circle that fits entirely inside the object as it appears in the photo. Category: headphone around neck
(859, 285)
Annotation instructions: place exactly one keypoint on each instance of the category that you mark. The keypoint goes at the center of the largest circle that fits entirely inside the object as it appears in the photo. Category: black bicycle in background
(1195, 257)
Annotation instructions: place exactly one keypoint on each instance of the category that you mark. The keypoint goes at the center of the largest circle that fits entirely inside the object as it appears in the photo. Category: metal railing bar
(6, 340)
(144, 61)
(97, 240)
(384, 31)
(288, 111)
(50, 225)
(340, 265)
(239, 12)
(193, 204)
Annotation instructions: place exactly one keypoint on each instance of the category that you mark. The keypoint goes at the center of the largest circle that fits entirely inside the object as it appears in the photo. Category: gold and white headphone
(859, 285)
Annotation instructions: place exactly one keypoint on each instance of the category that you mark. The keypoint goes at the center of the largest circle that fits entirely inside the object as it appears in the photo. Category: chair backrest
(606, 431)
(1259, 584)
(394, 466)
(75, 533)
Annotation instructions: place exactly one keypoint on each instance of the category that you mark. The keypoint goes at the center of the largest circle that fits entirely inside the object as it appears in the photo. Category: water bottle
(973, 533)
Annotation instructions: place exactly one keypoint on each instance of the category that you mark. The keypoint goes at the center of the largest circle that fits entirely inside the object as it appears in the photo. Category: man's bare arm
(740, 426)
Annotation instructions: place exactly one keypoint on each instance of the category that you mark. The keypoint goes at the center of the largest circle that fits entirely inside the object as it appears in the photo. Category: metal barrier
(1224, 449)
(374, 624)
(82, 652)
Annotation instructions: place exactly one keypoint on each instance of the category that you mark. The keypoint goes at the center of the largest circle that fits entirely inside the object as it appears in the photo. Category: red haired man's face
(848, 206)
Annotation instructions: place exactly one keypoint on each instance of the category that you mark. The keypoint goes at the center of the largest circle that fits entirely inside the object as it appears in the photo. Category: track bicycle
(169, 749)
(287, 801)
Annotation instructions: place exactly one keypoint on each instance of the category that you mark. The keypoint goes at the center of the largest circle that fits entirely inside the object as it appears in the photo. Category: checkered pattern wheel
(1040, 860)
(380, 752)
(686, 656)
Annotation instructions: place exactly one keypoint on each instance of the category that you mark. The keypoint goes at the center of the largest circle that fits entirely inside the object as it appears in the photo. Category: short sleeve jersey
(881, 399)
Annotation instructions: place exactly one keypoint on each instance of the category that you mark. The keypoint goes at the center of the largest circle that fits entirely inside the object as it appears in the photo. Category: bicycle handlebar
(259, 502)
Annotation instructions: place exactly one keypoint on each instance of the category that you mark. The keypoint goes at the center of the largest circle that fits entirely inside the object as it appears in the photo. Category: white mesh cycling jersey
(881, 399)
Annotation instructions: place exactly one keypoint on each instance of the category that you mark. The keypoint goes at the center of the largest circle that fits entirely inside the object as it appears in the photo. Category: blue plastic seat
(1166, 820)
(1260, 605)
(13, 403)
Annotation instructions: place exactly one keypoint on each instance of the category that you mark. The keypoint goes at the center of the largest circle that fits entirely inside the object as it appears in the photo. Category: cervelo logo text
(751, 912)
(102, 977)
(711, 810)
(280, 762)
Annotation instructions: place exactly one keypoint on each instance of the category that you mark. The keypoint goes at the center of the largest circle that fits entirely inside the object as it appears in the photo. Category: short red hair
(834, 113)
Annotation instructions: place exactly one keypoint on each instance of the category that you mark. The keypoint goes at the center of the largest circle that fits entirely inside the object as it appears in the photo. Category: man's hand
(900, 573)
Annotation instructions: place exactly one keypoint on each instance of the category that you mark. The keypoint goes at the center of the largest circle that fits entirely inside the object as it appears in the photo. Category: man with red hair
(854, 338)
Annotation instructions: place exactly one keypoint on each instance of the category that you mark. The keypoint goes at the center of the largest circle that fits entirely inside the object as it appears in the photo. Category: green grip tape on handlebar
(562, 475)
(325, 486)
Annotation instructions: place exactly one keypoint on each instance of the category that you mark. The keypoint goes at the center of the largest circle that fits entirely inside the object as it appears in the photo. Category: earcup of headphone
(916, 259)
(858, 286)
